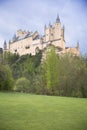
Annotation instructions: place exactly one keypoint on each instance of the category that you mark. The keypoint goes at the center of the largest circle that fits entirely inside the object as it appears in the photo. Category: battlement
(25, 42)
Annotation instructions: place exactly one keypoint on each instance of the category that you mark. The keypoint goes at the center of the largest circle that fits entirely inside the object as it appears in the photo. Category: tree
(10, 58)
(73, 73)
(6, 79)
(52, 70)
(39, 81)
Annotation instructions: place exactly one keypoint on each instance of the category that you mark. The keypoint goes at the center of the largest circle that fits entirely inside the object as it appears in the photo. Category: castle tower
(62, 33)
(20, 33)
(48, 33)
(5, 45)
(78, 45)
(9, 44)
(57, 19)
(45, 32)
(57, 28)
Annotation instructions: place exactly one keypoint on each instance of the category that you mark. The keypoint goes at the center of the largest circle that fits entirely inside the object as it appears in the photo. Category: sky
(32, 15)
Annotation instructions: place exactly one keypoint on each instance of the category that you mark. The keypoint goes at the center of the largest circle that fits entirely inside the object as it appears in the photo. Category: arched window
(15, 50)
(36, 50)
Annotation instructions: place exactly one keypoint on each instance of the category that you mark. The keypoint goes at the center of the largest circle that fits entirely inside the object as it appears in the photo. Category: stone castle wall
(29, 43)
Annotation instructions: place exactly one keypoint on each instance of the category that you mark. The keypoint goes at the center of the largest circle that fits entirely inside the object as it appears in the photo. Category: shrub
(22, 85)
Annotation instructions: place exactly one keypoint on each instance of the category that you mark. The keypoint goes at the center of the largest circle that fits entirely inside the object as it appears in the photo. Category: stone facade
(29, 43)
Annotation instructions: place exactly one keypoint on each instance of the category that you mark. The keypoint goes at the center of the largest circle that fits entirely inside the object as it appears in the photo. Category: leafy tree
(39, 81)
(6, 79)
(52, 70)
(10, 58)
(1, 55)
(37, 58)
(72, 76)
(17, 70)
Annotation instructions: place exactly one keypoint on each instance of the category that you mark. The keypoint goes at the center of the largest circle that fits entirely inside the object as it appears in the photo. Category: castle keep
(30, 43)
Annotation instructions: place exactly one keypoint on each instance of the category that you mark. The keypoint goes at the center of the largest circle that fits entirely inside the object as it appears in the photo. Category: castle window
(37, 50)
(27, 47)
(15, 50)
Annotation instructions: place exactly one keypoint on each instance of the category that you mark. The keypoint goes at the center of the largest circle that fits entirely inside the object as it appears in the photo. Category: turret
(50, 26)
(57, 19)
(78, 45)
(62, 32)
(57, 28)
(9, 44)
(45, 27)
(14, 38)
(5, 45)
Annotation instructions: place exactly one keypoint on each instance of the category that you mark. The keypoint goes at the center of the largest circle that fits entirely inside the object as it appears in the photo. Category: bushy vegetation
(73, 73)
(56, 75)
(22, 85)
(6, 79)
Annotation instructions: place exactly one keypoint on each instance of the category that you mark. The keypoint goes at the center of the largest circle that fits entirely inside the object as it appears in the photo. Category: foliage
(1, 57)
(57, 75)
(39, 81)
(25, 65)
(52, 70)
(73, 73)
(6, 79)
(22, 85)
(10, 58)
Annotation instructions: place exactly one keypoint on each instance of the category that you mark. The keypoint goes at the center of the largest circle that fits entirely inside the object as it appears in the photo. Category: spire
(9, 41)
(78, 45)
(57, 19)
(50, 25)
(63, 27)
(14, 37)
(45, 26)
(5, 45)
(9, 44)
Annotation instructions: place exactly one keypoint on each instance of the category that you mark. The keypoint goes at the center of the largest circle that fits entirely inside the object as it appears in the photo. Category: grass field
(34, 112)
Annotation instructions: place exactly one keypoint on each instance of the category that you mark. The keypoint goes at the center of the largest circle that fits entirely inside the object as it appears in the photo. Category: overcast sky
(32, 15)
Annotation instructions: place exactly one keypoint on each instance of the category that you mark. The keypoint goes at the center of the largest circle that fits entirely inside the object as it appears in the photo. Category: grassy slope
(32, 112)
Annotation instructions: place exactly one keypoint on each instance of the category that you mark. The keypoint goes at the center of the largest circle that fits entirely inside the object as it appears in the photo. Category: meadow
(19, 111)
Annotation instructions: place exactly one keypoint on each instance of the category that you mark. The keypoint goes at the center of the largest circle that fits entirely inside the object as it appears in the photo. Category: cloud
(33, 15)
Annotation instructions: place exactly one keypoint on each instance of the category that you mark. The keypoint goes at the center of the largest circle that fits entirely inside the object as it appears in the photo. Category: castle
(30, 43)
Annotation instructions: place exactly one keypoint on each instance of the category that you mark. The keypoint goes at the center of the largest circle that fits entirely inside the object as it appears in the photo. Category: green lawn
(34, 112)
